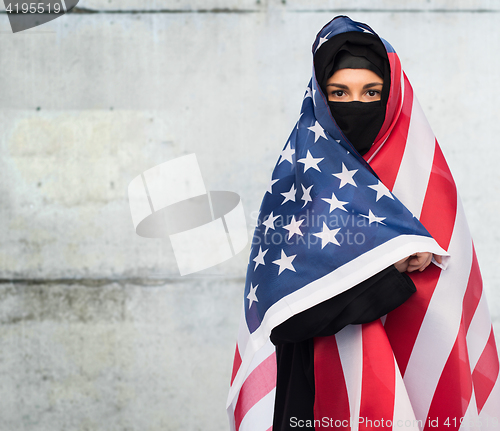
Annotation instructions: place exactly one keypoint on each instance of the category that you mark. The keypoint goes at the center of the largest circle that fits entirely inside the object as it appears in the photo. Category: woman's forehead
(351, 76)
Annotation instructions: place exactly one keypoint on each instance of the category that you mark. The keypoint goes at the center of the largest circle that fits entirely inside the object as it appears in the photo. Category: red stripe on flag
(473, 292)
(379, 382)
(387, 161)
(403, 324)
(441, 193)
(236, 363)
(257, 385)
(453, 392)
(486, 372)
(394, 102)
(331, 399)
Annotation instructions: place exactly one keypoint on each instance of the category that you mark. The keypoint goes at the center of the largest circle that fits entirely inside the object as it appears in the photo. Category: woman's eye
(373, 93)
(338, 93)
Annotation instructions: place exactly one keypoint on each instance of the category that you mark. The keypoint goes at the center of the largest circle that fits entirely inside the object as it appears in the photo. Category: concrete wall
(98, 331)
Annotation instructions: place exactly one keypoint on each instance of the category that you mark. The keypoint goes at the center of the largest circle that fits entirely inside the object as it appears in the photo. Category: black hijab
(359, 121)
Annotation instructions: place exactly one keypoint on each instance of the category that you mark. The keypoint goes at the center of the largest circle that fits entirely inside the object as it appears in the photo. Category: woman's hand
(417, 261)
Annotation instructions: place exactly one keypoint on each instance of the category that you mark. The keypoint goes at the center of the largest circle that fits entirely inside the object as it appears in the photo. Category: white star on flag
(270, 185)
(285, 262)
(251, 295)
(310, 162)
(308, 93)
(290, 195)
(293, 228)
(269, 223)
(322, 40)
(318, 131)
(306, 195)
(313, 96)
(381, 190)
(346, 176)
(287, 153)
(373, 218)
(335, 203)
(327, 236)
(259, 259)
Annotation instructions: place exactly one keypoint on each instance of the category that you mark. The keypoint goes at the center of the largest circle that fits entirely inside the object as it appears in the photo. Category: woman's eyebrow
(372, 84)
(345, 87)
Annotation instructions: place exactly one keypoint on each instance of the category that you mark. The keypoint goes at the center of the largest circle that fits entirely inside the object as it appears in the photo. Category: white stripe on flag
(350, 346)
(243, 333)
(416, 163)
(479, 332)
(249, 359)
(260, 416)
(489, 414)
(258, 357)
(261, 355)
(440, 326)
(470, 417)
(404, 417)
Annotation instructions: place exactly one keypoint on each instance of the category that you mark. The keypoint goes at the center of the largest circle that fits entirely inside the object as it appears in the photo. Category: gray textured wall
(97, 329)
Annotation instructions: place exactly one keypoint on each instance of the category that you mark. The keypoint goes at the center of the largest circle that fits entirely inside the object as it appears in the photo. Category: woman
(423, 365)
(353, 85)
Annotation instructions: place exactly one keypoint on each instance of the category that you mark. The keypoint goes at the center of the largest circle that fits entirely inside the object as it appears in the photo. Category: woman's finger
(427, 261)
(419, 261)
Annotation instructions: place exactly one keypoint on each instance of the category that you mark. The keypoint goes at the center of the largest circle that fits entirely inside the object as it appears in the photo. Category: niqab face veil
(359, 121)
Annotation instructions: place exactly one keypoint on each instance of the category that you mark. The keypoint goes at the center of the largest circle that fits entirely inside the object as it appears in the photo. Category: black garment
(365, 302)
(345, 60)
(356, 43)
(360, 121)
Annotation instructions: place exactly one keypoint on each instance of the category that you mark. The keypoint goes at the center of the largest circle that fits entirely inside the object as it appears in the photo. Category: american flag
(331, 219)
